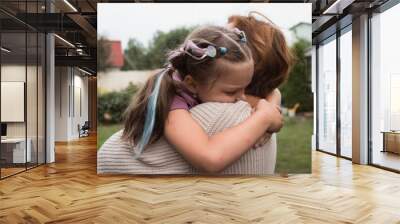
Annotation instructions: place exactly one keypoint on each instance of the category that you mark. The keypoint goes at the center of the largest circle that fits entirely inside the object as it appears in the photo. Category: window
(385, 89)
(346, 93)
(327, 96)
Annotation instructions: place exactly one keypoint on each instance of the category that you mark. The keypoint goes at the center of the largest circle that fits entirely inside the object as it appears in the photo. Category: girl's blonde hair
(161, 87)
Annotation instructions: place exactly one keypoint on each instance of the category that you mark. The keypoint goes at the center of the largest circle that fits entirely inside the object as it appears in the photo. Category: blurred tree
(162, 43)
(138, 57)
(298, 87)
(103, 52)
(134, 56)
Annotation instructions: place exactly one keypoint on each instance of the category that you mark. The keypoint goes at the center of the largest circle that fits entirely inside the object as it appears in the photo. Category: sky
(122, 21)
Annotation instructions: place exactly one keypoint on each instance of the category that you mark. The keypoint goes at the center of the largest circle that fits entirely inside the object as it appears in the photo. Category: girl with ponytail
(214, 64)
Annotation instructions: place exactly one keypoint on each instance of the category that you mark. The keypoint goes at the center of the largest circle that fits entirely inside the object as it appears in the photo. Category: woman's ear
(190, 83)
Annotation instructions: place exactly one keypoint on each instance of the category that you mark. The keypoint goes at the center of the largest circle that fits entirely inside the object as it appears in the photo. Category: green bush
(112, 105)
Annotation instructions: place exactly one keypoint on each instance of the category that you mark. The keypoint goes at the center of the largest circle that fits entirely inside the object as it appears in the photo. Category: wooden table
(13, 150)
(391, 141)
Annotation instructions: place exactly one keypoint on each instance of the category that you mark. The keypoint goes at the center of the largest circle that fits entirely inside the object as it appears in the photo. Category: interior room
(335, 95)
(385, 90)
(45, 91)
(22, 100)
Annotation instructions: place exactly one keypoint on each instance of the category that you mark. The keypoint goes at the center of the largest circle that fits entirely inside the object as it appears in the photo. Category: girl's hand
(271, 113)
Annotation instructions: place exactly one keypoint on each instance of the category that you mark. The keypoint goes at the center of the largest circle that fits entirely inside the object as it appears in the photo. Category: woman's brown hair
(272, 57)
(180, 62)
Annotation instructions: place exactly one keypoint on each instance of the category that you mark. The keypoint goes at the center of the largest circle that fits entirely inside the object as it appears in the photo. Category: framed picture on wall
(12, 101)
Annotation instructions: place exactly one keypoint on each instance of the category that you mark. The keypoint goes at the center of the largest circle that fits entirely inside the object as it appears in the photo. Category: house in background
(301, 31)
(116, 55)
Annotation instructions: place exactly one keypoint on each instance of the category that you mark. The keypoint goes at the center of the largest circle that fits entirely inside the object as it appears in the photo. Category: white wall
(70, 83)
(62, 80)
(80, 85)
(118, 80)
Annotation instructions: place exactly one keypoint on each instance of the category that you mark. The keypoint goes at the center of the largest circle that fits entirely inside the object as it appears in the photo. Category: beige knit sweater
(116, 156)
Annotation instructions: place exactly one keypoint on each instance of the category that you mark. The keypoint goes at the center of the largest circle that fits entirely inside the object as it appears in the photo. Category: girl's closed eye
(231, 93)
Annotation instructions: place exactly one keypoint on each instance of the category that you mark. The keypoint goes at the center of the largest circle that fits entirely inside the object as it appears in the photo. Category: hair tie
(176, 76)
(175, 53)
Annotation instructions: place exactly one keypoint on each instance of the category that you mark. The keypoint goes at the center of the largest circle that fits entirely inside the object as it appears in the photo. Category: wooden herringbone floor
(69, 191)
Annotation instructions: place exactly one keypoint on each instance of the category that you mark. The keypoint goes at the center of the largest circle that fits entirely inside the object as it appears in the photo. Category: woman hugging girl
(214, 64)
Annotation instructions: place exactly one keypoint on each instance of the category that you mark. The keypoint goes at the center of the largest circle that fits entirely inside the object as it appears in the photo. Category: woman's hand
(271, 113)
(274, 97)
(277, 120)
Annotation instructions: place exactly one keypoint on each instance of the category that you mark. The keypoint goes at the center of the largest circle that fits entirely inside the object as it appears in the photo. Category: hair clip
(200, 53)
(211, 51)
(241, 34)
(222, 50)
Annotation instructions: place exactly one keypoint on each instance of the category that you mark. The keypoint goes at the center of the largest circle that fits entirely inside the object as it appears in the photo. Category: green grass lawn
(294, 144)
(105, 131)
